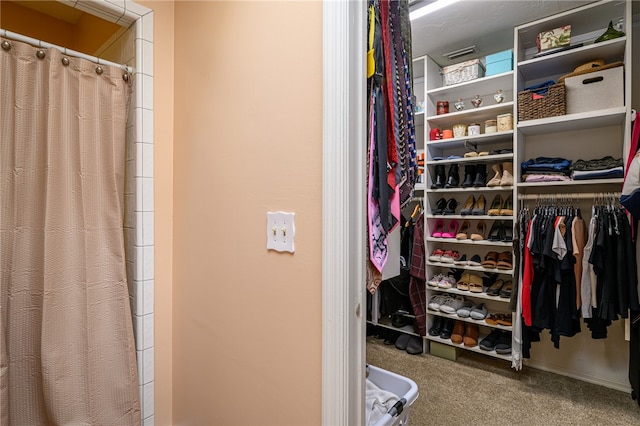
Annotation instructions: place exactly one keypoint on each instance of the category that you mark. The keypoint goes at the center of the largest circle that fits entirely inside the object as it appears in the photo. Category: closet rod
(34, 42)
(575, 195)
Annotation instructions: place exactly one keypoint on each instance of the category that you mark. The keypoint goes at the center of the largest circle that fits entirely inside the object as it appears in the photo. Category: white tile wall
(134, 47)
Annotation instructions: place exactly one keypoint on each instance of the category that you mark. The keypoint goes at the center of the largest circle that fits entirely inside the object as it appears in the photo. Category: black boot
(481, 175)
(453, 180)
(440, 178)
(469, 175)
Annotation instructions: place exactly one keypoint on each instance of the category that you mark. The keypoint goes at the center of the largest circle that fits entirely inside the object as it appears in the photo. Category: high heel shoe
(496, 206)
(452, 229)
(468, 205)
(450, 207)
(481, 231)
(464, 231)
(439, 229)
(507, 232)
(440, 206)
(497, 231)
(507, 207)
(479, 206)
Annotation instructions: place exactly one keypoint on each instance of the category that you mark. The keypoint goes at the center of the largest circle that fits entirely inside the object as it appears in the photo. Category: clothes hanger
(416, 211)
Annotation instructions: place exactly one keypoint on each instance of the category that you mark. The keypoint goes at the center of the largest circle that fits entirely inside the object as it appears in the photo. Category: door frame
(343, 212)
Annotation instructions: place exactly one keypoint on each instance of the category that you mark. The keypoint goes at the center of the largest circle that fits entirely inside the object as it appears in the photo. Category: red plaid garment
(417, 283)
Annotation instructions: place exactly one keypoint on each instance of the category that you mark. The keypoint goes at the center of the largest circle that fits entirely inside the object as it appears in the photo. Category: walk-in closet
(523, 115)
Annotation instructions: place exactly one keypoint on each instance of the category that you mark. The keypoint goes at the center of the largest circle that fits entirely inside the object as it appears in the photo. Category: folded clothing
(615, 172)
(545, 177)
(547, 164)
(604, 163)
(542, 88)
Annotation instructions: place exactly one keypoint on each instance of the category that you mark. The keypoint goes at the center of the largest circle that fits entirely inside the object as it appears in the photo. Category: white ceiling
(488, 24)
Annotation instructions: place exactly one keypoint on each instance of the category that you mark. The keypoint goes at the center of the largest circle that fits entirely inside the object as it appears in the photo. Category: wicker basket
(551, 105)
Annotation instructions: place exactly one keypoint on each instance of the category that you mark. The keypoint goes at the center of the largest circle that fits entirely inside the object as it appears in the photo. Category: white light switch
(280, 231)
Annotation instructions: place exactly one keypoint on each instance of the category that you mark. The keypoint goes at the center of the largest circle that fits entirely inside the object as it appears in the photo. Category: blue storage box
(499, 62)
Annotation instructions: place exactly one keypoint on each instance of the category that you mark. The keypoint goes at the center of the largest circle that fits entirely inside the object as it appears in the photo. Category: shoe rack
(461, 170)
(469, 197)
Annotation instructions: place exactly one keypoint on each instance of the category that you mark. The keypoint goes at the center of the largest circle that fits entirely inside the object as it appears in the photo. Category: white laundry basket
(406, 389)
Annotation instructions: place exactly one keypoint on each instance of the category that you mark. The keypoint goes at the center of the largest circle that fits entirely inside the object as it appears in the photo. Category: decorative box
(557, 37)
(464, 71)
(505, 122)
(499, 62)
(595, 90)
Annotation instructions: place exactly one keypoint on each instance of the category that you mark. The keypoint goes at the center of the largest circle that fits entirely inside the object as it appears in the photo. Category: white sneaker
(452, 305)
(435, 280)
(447, 282)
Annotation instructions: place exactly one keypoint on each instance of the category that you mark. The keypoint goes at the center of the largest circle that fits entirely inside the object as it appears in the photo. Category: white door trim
(343, 212)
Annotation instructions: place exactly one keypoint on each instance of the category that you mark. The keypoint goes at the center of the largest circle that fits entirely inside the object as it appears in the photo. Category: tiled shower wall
(133, 46)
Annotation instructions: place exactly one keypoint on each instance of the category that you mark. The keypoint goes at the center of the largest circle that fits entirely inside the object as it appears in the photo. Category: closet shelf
(480, 139)
(386, 323)
(481, 159)
(469, 320)
(481, 86)
(471, 115)
(572, 122)
(587, 183)
(418, 118)
(475, 189)
(469, 242)
(568, 60)
(467, 217)
(469, 294)
(473, 348)
(470, 268)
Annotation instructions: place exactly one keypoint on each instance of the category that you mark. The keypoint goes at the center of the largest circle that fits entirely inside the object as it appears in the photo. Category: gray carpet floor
(480, 390)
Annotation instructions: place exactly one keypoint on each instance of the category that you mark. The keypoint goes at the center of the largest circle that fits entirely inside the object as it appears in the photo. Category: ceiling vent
(460, 52)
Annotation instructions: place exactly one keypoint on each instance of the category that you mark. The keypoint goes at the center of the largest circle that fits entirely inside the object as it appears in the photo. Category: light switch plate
(280, 231)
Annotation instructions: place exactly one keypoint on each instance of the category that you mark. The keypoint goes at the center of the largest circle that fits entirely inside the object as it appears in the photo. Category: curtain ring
(6, 45)
(99, 70)
(65, 61)
(40, 53)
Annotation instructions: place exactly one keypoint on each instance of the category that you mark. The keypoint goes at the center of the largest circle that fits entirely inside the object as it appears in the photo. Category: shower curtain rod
(575, 195)
(19, 37)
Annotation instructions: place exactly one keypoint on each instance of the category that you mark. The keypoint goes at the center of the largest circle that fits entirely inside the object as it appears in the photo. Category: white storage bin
(406, 389)
(464, 71)
(595, 90)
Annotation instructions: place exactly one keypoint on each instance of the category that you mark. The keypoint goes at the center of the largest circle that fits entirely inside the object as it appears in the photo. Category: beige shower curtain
(68, 352)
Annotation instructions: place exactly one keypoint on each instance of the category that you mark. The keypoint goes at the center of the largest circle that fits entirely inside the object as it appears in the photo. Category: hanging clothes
(392, 167)
(568, 272)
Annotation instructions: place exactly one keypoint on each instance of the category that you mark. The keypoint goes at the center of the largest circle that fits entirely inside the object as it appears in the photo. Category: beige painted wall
(247, 140)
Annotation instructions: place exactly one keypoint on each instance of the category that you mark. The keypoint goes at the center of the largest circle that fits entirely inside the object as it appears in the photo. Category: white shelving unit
(571, 136)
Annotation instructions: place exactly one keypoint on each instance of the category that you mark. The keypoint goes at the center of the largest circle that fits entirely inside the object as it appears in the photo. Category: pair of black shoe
(442, 327)
(442, 180)
(444, 206)
(475, 175)
(497, 340)
(501, 231)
